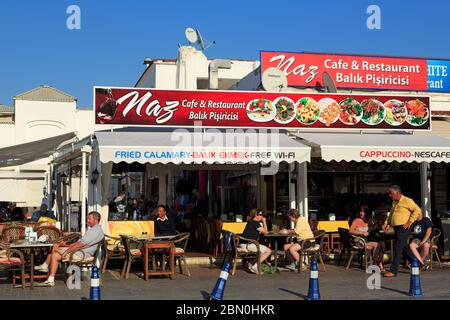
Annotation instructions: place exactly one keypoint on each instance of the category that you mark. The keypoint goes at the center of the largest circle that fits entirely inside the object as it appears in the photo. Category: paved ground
(335, 283)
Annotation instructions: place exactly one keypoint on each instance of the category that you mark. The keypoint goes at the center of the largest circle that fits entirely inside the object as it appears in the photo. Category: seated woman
(363, 226)
(421, 232)
(302, 231)
(256, 225)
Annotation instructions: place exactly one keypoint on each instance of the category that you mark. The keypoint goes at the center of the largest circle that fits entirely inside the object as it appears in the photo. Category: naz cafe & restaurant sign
(259, 109)
(358, 71)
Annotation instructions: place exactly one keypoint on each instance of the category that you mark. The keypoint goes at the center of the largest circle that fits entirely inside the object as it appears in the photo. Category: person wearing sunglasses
(256, 225)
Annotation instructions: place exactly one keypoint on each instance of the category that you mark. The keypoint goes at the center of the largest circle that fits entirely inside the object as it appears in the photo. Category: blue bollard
(219, 288)
(313, 291)
(415, 289)
(95, 284)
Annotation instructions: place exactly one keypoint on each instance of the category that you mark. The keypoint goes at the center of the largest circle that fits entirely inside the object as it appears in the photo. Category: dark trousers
(400, 247)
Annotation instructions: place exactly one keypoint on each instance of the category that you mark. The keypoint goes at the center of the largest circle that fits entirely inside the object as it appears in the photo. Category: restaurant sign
(259, 109)
(358, 71)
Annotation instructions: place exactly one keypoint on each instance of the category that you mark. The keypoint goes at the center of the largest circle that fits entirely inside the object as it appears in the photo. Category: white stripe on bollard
(415, 271)
(224, 275)
(314, 275)
(95, 282)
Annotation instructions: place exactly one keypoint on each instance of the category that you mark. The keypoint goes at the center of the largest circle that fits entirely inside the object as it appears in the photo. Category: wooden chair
(203, 234)
(181, 242)
(436, 233)
(335, 240)
(314, 250)
(12, 260)
(326, 243)
(133, 253)
(243, 253)
(114, 250)
(354, 245)
(215, 225)
(9, 234)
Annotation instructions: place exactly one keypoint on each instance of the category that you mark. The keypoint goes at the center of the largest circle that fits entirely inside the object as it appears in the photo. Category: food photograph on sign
(253, 109)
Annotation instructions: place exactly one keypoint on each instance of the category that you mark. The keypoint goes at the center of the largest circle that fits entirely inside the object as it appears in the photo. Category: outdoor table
(276, 236)
(149, 238)
(158, 245)
(31, 247)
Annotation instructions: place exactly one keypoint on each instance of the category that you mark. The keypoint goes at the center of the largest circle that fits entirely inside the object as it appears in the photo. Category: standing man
(119, 201)
(404, 212)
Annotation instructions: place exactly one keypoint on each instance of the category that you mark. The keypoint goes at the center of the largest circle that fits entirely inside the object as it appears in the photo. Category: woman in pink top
(362, 227)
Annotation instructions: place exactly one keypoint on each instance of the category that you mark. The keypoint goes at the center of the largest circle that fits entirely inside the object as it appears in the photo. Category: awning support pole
(292, 178)
(302, 189)
(425, 188)
(83, 192)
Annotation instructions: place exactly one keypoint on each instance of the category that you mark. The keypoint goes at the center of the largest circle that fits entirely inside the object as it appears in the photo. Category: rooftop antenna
(328, 83)
(194, 37)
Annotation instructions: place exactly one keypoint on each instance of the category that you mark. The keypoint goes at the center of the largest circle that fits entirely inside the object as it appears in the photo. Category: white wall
(35, 120)
(7, 134)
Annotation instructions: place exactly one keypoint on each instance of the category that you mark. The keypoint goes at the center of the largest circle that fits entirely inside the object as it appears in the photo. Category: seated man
(92, 236)
(42, 213)
(163, 225)
(421, 231)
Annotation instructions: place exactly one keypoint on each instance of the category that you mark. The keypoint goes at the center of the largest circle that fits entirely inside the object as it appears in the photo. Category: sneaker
(47, 283)
(293, 266)
(41, 269)
(253, 269)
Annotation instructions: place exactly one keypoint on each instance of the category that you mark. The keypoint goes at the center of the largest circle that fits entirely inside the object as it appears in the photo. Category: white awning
(377, 147)
(31, 151)
(197, 147)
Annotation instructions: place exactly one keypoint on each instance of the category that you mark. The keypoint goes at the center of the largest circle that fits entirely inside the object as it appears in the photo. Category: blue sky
(115, 37)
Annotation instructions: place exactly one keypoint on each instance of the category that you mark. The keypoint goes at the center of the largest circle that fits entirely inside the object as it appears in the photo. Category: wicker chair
(314, 250)
(354, 245)
(53, 233)
(84, 262)
(12, 260)
(181, 242)
(133, 253)
(9, 234)
(239, 252)
(436, 233)
(114, 251)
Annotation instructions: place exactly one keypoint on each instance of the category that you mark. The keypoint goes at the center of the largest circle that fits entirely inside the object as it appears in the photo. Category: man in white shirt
(83, 249)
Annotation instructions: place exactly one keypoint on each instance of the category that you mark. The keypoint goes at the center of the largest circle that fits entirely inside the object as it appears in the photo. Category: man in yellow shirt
(403, 213)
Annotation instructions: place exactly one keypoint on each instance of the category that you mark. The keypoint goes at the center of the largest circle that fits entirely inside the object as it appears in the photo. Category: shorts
(417, 241)
(251, 247)
(77, 256)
